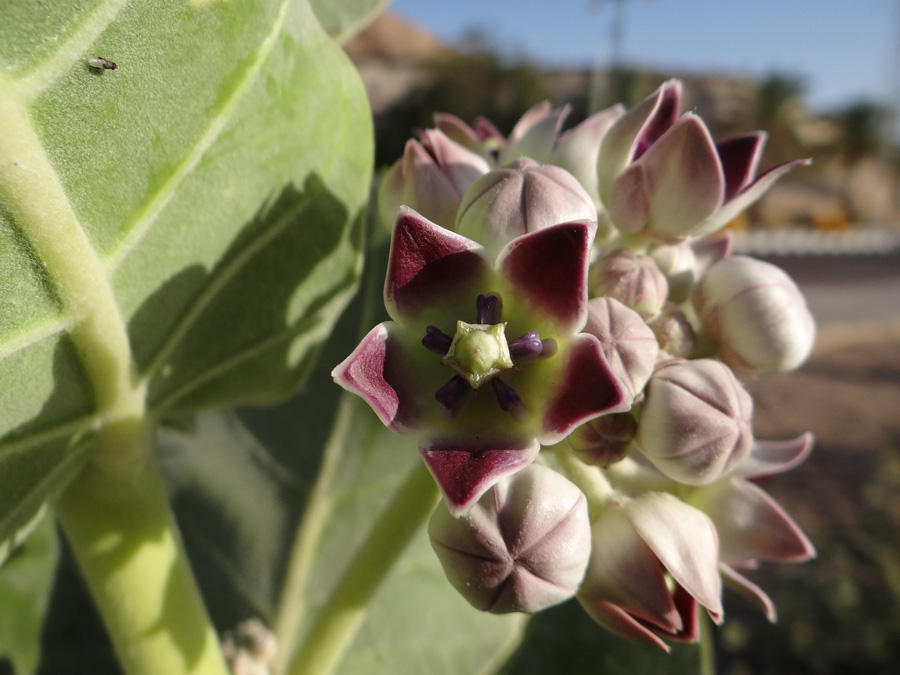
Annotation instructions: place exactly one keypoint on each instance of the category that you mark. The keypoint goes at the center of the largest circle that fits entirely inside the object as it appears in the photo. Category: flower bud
(631, 278)
(628, 343)
(695, 422)
(430, 178)
(673, 331)
(756, 315)
(637, 545)
(604, 440)
(520, 198)
(522, 547)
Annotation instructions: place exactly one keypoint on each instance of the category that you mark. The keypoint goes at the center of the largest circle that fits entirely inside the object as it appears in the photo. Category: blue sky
(843, 49)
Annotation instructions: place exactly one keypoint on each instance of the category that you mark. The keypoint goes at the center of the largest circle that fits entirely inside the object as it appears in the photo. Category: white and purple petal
(432, 272)
(466, 466)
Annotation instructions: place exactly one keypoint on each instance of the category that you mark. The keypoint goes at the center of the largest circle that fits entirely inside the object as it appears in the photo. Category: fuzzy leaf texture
(178, 233)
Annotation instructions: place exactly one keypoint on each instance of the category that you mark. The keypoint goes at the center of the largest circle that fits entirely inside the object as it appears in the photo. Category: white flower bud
(695, 422)
(603, 441)
(631, 278)
(522, 547)
(673, 331)
(756, 314)
(520, 198)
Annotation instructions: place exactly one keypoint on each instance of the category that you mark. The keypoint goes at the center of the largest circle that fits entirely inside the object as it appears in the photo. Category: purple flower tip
(527, 347)
(509, 400)
(488, 309)
(436, 340)
(453, 396)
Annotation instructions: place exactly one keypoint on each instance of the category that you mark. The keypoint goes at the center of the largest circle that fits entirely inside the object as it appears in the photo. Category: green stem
(589, 479)
(117, 519)
(344, 610)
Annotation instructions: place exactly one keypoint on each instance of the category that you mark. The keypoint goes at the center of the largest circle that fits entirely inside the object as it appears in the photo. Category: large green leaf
(175, 234)
(344, 19)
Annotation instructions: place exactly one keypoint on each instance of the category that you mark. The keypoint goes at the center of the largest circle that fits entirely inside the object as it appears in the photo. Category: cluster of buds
(572, 292)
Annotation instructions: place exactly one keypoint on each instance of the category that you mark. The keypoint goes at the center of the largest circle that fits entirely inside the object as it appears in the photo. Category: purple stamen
(526, 348)
(509, 400)
(453, 396)
(488, 309)
(436, 340)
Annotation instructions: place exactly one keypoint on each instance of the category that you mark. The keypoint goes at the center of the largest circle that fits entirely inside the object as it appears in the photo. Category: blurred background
(823, 79)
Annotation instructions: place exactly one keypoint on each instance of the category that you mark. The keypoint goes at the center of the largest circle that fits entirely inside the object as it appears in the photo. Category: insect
(100, 63)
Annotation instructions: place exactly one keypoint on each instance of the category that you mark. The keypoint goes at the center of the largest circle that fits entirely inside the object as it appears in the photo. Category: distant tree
(775, 92)
(864, 128)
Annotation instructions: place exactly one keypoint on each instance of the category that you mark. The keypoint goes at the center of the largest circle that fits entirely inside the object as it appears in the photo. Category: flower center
(479, 352)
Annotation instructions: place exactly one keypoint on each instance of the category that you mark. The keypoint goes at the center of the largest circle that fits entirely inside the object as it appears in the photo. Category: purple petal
(535, 134)
(746, 197)
(740, 157)
(488, 309)
(738, 582)
(432, 269)
(684, 539)
(465, 468)
(436, 340)
(586, 389)
(458, 131)
(378, 372)
(616, 620)
(685, 177)
(752, 526)
(547, 270)
(453, 396)
(635, 131)
(768, 458)
(525, 348)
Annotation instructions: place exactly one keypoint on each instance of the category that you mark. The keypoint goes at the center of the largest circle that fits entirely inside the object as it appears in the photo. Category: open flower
(483, 360)
(661, 173)
(654, 559)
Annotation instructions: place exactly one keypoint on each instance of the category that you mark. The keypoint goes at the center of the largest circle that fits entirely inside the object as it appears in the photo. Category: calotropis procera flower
(654, 559)
(483, 360)
(661, 173)
(523, 547)
(756, 315)
(431, 178)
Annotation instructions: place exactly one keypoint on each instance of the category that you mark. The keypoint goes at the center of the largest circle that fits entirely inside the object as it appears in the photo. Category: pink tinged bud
(637, 547)
(631, 278)
(605, 440)
(635, 131)
(756, 315)
(627, 342)
(431, 178)
(673, 187)
(522, 548)
(578, 149)
(695, 422)
(534, 134)
(521, 198)
(673, 331)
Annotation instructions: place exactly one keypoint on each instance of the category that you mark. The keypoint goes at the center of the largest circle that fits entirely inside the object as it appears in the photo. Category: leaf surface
(178, 233)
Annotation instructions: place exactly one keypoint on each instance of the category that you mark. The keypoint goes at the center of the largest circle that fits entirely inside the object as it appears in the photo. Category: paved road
(842, 289)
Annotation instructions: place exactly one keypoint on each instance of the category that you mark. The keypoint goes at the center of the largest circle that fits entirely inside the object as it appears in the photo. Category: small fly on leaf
(100, 63)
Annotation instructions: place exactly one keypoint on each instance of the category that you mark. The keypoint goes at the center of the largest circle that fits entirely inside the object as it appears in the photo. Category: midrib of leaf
(37, 201)
(146, 217)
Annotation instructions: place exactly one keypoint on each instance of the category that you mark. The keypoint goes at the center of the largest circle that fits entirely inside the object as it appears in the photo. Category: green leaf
(25, 585)
(345, 18)
(178, 233)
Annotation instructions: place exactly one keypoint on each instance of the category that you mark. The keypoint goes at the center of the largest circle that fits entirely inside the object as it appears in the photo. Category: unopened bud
(522, 547)
(520, 198)
(695, 422)
(631, 278)
(673, 331)
(604, 440)
(756, 314)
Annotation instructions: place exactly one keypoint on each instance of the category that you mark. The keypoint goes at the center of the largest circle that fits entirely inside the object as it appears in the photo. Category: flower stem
(589, 479)
(117, 518)
(344, 610)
